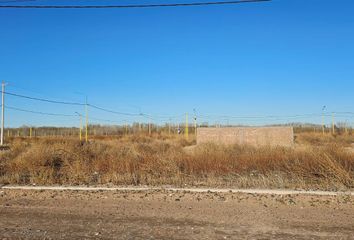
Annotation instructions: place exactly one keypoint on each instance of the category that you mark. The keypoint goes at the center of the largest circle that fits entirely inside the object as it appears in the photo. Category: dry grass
(161, 160)
(318, 139)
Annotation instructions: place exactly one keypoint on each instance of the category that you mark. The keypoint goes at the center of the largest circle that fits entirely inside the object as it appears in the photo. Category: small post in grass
(186, 128)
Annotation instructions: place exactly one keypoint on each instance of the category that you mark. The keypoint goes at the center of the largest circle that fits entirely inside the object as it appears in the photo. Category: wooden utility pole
(2, 111)
(86, 132)
(323, 123)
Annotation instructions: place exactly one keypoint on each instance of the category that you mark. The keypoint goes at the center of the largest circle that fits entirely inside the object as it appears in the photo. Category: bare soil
(30, 214)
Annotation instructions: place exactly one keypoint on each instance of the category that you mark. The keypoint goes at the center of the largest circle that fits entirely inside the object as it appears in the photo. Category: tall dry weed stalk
(162, 160)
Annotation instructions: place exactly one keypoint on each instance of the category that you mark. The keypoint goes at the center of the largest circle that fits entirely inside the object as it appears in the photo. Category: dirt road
(156, 214)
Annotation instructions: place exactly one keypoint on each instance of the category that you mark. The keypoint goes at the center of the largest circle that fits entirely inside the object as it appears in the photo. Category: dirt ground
(33, 214)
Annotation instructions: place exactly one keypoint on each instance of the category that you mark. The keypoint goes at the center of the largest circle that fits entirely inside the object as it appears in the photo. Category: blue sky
(277, 58)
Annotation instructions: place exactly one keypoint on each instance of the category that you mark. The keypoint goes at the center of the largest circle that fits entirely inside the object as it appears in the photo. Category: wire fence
(123, 122)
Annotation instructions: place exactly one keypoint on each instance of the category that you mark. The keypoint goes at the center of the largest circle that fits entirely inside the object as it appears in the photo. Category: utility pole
(86, 132)
(2, 111)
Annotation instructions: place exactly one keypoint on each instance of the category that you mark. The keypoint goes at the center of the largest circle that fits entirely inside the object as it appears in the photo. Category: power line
(114, 112)
(110, 121)
(45, 100)
(57, 114)
(165, 117)
(162, 117)
(41, 113)
(148, 116)
(259, 117)
(16, 1)
(76, 104)
(134, 6)
(70, 103)
(343, 113)
(116, 122)
(275, 117)
(200, 116)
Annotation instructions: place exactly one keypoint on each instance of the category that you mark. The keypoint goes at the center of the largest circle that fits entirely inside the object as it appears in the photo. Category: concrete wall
(256, 136)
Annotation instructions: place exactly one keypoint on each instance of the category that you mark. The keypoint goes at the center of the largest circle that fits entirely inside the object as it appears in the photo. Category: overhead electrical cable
(166, 117)
(78, 104)
(110, 121)
(69, 103)
(260, 117)
(16, 1)
(41, 113)
(135, 6)
(114, 112)
(45, 100)
(344, 113)
(162, 117)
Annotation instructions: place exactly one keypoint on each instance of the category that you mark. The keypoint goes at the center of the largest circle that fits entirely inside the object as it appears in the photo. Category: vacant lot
(316, 162)
(172, 215)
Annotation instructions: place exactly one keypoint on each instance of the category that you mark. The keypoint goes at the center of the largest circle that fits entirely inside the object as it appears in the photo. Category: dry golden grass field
(316, 162)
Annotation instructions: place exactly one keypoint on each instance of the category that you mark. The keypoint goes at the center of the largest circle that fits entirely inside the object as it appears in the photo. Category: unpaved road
(161, 214)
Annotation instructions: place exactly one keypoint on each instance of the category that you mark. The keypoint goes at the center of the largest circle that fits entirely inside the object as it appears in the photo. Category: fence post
(186, 128)
(333, 130)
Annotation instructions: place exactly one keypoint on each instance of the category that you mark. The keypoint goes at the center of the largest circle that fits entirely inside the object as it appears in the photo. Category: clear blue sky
(282, 57)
